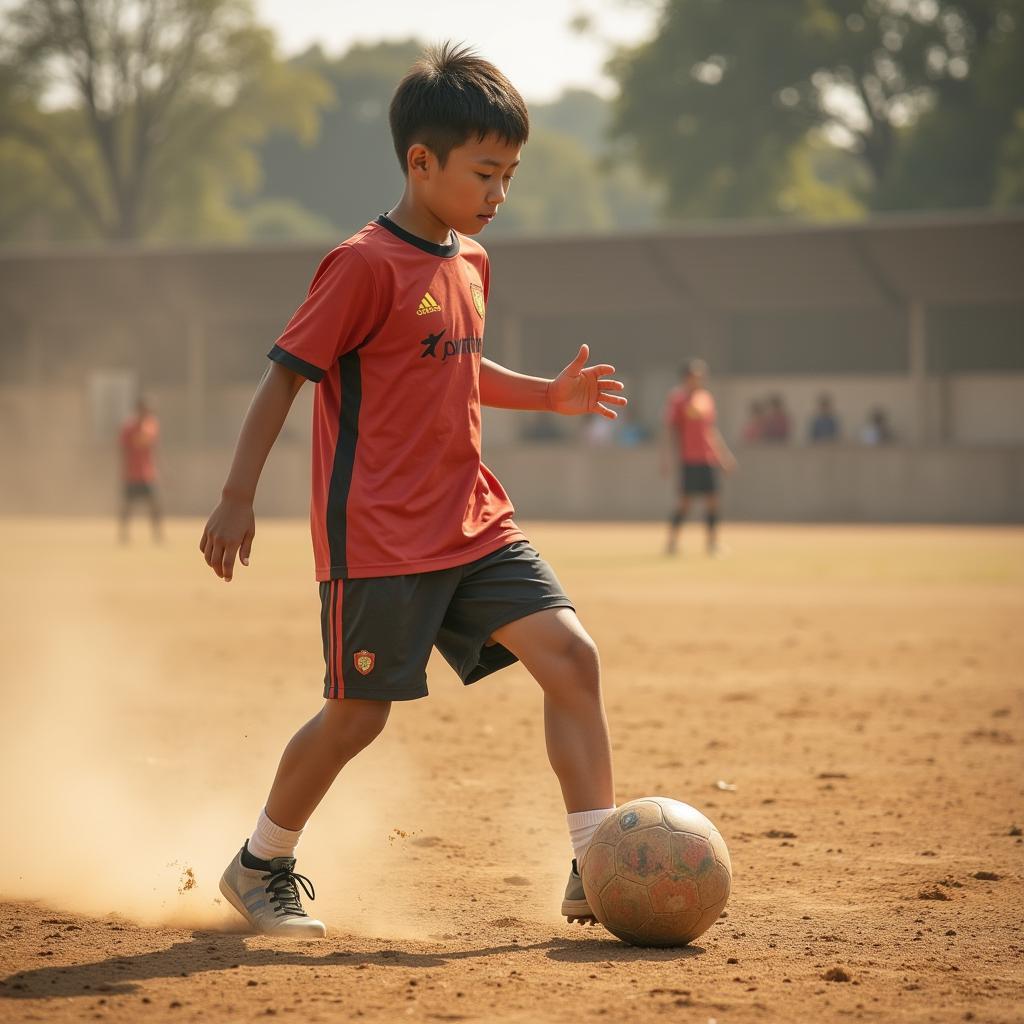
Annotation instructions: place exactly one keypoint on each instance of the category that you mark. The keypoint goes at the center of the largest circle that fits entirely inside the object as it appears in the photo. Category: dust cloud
(133, 765)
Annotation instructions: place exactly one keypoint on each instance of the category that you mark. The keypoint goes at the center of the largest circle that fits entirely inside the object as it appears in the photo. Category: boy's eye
(482, 176)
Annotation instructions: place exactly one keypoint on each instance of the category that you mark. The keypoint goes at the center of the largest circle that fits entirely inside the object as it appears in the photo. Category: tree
(960, 153)
(145, 113)
(352, 173)
(716, 104)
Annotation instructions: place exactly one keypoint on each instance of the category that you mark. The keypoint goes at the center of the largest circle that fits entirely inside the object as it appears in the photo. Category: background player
(691, 435)
(413, 537)
(137, 442)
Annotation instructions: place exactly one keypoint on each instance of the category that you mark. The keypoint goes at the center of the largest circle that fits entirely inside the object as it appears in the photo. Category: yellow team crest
(364, 662)
(478, 298)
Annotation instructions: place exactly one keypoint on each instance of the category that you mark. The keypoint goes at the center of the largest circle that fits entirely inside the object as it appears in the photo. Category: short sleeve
(338, 315)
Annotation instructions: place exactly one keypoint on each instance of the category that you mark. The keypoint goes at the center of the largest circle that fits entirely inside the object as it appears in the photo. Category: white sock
(582, 826)
(269, 840)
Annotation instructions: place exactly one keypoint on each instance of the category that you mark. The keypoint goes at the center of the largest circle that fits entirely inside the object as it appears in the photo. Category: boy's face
(465, 194)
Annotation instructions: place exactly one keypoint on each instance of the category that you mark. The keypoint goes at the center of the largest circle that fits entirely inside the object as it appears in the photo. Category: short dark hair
(697, 366)
(448, 95)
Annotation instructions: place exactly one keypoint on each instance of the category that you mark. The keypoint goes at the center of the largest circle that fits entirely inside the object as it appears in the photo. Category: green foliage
(822, 183)
(721, 105)
(1010, 178)
(351, 173)
(279, 220)
(145, 113)
(556, 190)
(967, 133)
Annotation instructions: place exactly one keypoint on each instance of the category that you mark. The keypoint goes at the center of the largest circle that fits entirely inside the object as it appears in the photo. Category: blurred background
(822, 198)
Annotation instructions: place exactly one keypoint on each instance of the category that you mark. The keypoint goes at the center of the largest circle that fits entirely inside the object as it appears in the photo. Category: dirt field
(861, 688)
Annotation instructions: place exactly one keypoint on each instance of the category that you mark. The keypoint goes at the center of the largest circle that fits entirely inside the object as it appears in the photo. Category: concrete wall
(568, 481)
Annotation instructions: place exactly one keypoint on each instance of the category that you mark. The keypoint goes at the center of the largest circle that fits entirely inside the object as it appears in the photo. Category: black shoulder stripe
(295, 364)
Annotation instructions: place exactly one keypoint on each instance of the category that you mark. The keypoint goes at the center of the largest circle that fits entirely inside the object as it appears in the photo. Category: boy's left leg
(557, 651)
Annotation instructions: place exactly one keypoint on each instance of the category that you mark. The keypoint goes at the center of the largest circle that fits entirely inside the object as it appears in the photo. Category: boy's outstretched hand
(229, 531)
(580, 389)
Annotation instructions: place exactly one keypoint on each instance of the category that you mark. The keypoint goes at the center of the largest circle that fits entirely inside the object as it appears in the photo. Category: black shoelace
(285, 893)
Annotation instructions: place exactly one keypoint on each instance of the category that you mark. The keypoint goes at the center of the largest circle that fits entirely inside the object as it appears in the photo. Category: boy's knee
(582, 661)
(354, 724)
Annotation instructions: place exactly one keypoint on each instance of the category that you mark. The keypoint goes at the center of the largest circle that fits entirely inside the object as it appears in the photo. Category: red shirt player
(137, 442)
(699, 449)
(413, 538)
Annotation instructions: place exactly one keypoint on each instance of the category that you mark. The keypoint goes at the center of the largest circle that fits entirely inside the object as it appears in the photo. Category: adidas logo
(428, 304)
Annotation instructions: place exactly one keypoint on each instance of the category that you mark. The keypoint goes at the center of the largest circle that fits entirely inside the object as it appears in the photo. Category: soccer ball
(657, 872)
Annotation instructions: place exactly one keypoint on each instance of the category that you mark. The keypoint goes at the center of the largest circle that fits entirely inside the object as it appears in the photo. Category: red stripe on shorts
(330, 638)
(338, 608)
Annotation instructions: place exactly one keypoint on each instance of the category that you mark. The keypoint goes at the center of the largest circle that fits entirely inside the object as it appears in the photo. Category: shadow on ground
(214, 951)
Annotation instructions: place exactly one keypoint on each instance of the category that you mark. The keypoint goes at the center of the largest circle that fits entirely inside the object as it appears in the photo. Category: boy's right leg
(266, 891)
(317, 753)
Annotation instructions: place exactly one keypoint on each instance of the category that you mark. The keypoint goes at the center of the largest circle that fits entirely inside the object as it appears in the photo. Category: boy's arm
(725, 457)
(232, 524)
(576, 390)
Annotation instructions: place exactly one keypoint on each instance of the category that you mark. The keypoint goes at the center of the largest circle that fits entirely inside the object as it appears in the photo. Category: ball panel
(628, 818)
(626, 906)
(627, 937)
(721, 850)
(714, 887)
(684, 818)
(671, 929)
(707, 919)
(598, 867)
(674, 895)
(594, 899)
(644, 855)
(692, 856)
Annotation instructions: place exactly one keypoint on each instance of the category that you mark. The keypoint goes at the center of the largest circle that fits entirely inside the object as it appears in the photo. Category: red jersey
(137, 439)
(392, 333)
(692, 415)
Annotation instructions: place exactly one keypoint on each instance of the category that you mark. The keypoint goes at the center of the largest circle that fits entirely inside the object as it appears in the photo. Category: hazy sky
(530, 40)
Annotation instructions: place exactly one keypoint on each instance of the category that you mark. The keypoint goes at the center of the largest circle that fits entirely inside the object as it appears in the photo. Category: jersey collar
(444, 251)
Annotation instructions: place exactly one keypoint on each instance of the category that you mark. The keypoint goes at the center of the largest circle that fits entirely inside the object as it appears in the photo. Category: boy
(413, 537)
(700, 449)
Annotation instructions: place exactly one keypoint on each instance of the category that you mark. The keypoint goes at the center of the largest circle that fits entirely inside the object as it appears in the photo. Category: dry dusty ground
(860, 687)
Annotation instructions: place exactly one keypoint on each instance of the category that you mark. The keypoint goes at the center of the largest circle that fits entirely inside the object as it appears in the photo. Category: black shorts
(698, 478)
(138, 489)
(378, 632)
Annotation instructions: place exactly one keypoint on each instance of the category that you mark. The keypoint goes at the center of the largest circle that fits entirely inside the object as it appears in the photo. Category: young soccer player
(137, 440)
(413, 537)
(699, 449)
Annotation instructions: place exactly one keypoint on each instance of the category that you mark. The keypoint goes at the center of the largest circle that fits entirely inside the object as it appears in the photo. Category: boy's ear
(418, 160)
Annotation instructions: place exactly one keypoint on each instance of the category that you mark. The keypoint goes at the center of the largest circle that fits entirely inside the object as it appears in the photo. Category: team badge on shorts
(364, 662)
(478, 297)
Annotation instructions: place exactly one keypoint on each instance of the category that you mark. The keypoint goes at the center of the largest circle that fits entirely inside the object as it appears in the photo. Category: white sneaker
(268, 897)
(575, 908)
